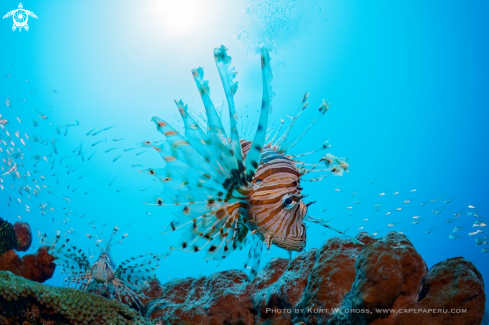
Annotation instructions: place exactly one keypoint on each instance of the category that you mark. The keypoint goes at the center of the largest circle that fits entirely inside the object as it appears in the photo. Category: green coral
(8, 239)
(24, 300)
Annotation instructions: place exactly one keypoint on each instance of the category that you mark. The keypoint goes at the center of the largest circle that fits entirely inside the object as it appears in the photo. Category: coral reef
(338, 283)
(24, 236)
(26, 302)
(17, 236)
(37, 267)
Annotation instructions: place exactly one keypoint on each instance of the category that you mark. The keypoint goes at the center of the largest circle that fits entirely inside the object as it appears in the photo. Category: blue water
(407, 82)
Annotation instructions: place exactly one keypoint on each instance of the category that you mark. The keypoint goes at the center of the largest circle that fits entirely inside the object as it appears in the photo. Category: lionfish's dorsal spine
(254, 154)
(215, 131)
(223, 63)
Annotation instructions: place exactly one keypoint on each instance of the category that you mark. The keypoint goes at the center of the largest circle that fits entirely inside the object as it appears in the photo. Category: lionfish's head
(276, 204)
(103, 269)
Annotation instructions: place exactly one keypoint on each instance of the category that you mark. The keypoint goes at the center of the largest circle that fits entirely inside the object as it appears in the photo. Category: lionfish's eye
(288, 202)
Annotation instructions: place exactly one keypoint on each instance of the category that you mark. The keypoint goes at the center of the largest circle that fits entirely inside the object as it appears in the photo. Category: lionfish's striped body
(229, 188)
(276, 209)
(124, 282)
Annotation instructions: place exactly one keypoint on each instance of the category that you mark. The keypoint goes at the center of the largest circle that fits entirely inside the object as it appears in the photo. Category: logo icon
(20, 17)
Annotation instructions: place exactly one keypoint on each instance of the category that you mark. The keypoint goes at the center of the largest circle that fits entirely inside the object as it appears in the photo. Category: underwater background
(407, 82)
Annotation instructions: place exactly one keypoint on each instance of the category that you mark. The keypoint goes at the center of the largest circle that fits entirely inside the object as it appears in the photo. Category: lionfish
(126, 281)
(231, 187)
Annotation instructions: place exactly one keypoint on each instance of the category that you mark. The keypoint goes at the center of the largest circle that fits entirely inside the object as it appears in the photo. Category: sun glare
(179, 16)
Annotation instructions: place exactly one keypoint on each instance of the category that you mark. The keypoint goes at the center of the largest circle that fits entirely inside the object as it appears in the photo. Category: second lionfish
(124, 282)
(229, 187)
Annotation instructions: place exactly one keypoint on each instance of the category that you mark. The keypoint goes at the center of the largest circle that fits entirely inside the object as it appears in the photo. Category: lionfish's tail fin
(254, 154)
(324, 224)
(254, 256)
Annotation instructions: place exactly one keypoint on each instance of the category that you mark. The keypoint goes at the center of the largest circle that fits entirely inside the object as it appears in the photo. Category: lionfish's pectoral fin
(254, 256)
(268, 239)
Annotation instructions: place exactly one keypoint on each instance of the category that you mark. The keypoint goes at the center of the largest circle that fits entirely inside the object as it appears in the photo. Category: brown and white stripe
(275, 201)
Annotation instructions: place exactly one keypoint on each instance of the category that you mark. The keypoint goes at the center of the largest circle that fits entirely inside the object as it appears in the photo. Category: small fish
(454, 237)
(89, 158)
(90, 131)
(54, 91)
(116, 158)
(109, 150)
(118, 139)
(112, 181)
(95, 143)
(449, 200)
(140, 153)
(120, 189)
(382, 194)
(457, 229)
(108, 128)
(481, 241)
(136, 165)
(485, 250)
(129, 149)
(478, 231)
